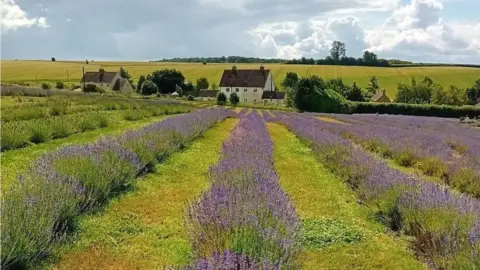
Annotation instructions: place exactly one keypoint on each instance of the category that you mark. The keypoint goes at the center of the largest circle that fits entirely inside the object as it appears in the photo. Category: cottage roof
(244, 77)
(208, 93)
(94, 77)
(273, 95)
(378, 95)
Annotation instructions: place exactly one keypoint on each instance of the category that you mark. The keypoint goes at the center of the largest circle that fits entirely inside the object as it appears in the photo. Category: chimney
(234, 69)
(262, 68)
(384, 92)
(102, 72)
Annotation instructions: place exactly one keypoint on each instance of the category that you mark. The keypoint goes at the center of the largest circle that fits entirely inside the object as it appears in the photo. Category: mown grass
(321, 196)
(28, 71)
(16, 161)
(145, 229)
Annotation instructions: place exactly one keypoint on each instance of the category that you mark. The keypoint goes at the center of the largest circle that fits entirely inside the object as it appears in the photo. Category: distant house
(248, 84)
(208, 95)
(107, 80)
(381, 96)
(175, 94)
(273, 97)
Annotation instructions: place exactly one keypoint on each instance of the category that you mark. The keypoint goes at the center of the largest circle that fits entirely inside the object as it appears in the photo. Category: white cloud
(13, 17)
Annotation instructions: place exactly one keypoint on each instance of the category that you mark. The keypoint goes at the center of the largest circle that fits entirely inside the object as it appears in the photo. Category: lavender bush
(445, 225)
(245, 212)
(438, 147)
(43, 205)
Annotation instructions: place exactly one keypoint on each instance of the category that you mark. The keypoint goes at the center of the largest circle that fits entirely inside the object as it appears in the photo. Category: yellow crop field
(31, 71)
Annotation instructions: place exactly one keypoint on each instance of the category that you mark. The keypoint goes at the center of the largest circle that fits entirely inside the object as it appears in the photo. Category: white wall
(248, 94)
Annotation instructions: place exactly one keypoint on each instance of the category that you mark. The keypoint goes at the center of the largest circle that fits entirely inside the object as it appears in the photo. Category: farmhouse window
(228, 89)
(237, 89)
(254, 101)
(245, 100)
(255, 90)
(245, 90)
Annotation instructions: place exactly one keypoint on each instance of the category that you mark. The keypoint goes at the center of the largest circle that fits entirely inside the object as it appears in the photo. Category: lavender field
(224, 188)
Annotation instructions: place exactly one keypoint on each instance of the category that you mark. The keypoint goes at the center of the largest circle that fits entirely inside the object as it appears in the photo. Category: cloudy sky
(416, 30)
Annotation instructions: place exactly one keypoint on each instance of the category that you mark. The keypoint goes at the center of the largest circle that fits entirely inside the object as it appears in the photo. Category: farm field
(40, 71)
(166, 184)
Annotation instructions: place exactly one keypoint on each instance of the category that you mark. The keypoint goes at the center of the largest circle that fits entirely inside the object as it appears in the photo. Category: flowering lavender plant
(245, 211)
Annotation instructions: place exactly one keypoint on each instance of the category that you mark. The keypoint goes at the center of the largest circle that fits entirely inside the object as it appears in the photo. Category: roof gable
(244, 78)
(379, 95)
(208, 93)
(94, 77)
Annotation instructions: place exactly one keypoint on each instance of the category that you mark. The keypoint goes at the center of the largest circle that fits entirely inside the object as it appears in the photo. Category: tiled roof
(244, 78)
(94, 77)
(273, 95)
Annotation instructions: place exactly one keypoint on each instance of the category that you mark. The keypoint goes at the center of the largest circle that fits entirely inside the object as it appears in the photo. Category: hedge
(416, 109)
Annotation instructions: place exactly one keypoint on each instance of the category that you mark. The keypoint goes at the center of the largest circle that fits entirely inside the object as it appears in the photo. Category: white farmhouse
(250, 85)
(107, 80)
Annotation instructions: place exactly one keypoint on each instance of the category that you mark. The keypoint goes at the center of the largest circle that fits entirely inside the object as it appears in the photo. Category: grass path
(15, 161)
(145, 229)
(318, 194)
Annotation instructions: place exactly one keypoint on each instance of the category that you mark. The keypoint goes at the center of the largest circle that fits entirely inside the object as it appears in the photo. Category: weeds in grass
(326, 232)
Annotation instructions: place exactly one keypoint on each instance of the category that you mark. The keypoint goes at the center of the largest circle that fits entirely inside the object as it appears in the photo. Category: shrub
(59, 109)
(61, 128)
(40, 133)
(87, 124)
(149, 88)
(13, 137)
(221, 99)
(416, 109)
(46, 85)
(467, 181)
(60, 85)
(234, 99)
(190, 97)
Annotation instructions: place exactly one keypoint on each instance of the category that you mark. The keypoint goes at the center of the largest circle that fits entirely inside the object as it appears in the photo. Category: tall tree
(373, 85)
(337, 51)
(124, 74)
(290, 80)
(234, 99)
(473, 93)
(355, 93)
(370, 59)
(202, 83)
(141, 80)
(167, 80)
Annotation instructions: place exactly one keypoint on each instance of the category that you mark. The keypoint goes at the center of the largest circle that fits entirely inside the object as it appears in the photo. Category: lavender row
(245, 220)
(435, 150)
(446, 227)
(60, 185)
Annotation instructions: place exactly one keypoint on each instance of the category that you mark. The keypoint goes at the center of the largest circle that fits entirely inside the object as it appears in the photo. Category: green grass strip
(338, 233)
(145, 228)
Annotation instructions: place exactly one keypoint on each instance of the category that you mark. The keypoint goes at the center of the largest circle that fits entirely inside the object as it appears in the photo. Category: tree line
(423, 92)
(223, 59)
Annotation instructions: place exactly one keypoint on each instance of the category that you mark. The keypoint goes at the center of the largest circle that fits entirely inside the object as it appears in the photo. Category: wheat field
(41, 71)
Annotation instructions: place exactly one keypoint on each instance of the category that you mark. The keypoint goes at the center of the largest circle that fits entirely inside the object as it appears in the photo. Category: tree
(312, 96)
(141, 80)
(234, 99)
(355, 93)
(149, 88)
(473, 93)
(167, 80)
(202, 83)
(419, 93)
(125, 75)
(214, 86)
(370, 59)
(188, 87)
(53, 59)
(338, 86)
(59, 85)
(373, 85)
(453, 96)
(221, 99)
(337, 51)
(290, 80)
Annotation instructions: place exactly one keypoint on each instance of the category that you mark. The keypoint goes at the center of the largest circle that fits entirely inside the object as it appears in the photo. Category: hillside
(30, 71)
